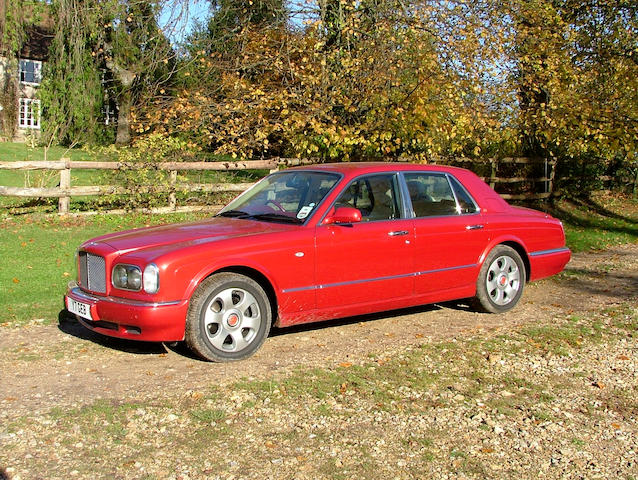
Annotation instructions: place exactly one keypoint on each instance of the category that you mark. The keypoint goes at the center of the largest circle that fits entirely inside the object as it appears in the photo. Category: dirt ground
(66, 364)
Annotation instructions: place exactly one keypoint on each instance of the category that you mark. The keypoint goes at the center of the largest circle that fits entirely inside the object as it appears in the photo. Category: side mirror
(343, 215)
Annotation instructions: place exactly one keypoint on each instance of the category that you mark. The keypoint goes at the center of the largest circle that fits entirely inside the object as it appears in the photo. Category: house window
(110, 115)
(29, 116)
(30, 72)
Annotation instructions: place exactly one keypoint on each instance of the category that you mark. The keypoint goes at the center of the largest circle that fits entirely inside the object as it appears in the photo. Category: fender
(509, 238)
(229, 263)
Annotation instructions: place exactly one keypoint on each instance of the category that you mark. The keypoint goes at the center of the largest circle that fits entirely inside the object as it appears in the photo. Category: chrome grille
(92, 272)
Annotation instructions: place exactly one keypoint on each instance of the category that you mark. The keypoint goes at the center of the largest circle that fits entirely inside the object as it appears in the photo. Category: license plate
(79, 308)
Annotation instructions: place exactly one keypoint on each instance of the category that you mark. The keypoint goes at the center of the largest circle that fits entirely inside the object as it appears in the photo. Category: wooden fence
(64, 191)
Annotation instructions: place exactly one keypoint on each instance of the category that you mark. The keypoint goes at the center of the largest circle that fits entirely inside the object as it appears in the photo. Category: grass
(598, 221)
(38, 259)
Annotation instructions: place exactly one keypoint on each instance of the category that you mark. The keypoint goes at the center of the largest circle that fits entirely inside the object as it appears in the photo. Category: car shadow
(68, 324)
(339, 322)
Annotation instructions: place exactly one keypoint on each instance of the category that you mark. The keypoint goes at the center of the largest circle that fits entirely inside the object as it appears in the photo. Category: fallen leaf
(616, 426)
(622, 357)
(487, 450)
(419, 335)
(15, 280)
(345, 364)
(344, 387)
(270, 444)
(598, 385)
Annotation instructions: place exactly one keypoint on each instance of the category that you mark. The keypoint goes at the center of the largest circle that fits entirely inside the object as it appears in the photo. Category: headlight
(151, 278)
(127, 277)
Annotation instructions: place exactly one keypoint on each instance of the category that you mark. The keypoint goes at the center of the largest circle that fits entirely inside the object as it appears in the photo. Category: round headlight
(151, 278)
(134, 280)
(127, 277)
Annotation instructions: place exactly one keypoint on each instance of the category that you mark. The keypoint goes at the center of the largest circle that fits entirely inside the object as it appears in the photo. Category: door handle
(398, 233)
(474, 227)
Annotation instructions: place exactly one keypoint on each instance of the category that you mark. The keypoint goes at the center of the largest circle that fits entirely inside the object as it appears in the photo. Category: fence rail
(64, 192)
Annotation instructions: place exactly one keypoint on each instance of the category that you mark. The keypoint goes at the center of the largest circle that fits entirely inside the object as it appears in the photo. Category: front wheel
(228, 318)
(501, 280)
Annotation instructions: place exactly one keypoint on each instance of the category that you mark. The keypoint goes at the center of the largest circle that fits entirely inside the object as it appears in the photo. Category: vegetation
(345, 79)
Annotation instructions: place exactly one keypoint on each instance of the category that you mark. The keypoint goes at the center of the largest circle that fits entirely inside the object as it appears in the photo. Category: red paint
(321, 269)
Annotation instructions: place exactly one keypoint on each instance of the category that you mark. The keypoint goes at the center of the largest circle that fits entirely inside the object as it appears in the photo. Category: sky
(177, 21)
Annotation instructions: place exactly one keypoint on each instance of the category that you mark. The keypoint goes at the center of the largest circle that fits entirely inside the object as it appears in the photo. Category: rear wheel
(501, 280)
(228, 318)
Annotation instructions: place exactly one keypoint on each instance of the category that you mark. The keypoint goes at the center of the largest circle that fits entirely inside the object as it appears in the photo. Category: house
(20, 78)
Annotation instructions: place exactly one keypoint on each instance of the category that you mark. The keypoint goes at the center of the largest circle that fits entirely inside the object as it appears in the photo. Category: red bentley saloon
(310, 244)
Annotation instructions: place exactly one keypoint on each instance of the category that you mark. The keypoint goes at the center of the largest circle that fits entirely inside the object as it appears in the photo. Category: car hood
(214, 229)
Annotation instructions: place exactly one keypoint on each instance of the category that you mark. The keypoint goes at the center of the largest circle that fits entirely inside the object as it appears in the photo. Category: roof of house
(37, 43)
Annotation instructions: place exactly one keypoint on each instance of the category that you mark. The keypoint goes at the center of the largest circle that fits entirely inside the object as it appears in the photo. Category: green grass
(38, 259)
(598, 222)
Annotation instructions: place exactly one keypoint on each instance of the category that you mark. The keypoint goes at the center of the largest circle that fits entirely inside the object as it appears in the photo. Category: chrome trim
(399, 203)
(477, 209)
(446, 269)
(76, 291)
(549, 252)
(392, 277)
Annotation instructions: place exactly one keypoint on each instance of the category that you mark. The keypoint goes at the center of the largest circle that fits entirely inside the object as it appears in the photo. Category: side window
(375, 196)
(466, 204)
(431, 194)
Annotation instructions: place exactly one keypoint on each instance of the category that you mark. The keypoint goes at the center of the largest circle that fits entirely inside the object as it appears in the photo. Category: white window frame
(29, 113)
(37, 71)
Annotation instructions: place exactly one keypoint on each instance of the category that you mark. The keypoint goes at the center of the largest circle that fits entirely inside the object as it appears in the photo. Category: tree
(103, 50)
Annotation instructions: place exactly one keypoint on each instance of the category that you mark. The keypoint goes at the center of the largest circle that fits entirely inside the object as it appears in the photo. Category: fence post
(65, 184)
(552, 175)
(494, 172)
(172, 199)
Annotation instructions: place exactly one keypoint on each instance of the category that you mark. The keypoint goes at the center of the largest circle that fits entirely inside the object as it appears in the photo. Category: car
(315, 243)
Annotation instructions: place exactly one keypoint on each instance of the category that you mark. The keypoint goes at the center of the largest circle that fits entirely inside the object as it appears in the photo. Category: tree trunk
(125, 99)
(123, 136)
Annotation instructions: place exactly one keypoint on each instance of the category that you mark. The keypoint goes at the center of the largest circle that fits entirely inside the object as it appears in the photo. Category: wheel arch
(523, 254)
(258, 277)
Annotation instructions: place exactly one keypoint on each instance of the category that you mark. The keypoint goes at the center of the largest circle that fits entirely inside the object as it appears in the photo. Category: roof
(37, 42)
(357, 168)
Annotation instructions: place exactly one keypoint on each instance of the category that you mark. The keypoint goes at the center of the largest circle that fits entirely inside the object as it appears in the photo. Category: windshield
(289, 197)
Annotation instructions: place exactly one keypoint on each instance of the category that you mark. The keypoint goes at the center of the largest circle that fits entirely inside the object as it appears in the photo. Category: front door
(370, 261)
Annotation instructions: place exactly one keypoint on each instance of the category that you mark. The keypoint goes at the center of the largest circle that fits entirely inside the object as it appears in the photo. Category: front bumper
(131, 319)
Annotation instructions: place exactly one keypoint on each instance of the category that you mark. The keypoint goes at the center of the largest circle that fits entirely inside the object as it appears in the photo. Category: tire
(228, 319)
(501, 280)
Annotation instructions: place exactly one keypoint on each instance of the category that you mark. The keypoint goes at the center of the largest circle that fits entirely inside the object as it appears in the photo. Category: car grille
(92, 272)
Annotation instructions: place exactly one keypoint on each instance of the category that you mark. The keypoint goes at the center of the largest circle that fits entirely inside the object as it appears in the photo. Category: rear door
(450, 233)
